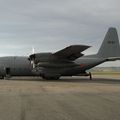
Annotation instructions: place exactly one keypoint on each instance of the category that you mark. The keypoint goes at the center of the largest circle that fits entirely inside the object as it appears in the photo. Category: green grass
(106, 73)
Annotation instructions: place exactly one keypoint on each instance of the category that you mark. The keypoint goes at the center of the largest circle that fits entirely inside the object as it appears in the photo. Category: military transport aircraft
(67, 62)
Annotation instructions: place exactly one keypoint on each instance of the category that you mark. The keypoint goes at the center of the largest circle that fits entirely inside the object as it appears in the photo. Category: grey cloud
(50, 25)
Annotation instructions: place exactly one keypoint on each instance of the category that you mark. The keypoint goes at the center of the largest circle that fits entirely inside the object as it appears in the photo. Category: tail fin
(110, 46)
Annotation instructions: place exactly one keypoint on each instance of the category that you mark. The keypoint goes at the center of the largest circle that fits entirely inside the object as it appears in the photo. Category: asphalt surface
(65, 99)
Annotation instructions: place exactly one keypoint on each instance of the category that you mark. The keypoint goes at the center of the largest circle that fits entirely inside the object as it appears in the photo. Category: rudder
(110, 46)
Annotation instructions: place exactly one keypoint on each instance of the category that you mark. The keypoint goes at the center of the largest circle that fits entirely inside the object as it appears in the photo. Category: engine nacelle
(45, 73)
(56, 64)
(39, 57)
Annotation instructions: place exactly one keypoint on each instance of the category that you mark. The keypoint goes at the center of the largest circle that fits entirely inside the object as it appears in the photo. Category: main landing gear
(86, 74)
(90, 75)
(50, 78)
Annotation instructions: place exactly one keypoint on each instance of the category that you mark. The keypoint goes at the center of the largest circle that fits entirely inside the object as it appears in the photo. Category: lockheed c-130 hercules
(69, 61)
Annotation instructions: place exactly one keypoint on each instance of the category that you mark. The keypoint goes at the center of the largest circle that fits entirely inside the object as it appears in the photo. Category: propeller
(33, 50)
(32, 58)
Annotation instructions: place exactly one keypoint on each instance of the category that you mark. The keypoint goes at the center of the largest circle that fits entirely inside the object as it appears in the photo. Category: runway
(65, 99)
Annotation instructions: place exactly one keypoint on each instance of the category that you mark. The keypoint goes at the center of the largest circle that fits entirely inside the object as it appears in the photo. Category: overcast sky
(50, 25)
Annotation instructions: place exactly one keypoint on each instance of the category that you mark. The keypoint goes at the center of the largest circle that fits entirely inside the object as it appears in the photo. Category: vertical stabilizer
(110, 46)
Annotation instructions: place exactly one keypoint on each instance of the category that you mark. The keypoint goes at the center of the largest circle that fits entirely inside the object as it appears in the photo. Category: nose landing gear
(7, 73)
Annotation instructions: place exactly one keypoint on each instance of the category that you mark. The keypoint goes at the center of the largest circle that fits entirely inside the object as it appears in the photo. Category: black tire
(1, 77)
(50, 78)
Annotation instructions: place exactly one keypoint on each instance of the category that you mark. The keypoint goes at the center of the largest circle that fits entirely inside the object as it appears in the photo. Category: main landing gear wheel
(1, 77)
(50, 78)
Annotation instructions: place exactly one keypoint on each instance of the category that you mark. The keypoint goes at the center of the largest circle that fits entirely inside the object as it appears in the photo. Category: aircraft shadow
(70, 79)
(94, 80)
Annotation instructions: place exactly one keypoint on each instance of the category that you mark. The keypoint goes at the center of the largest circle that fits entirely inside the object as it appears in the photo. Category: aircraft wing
(72, 52)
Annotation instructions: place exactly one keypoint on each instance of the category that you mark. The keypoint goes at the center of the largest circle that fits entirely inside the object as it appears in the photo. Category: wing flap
(72, 52)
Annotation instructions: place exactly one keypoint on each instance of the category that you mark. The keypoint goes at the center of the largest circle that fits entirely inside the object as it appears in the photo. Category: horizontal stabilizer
(72, 52)
(113, 58)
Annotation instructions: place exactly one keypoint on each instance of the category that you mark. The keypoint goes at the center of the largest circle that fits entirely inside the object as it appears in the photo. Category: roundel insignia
(82, 65)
